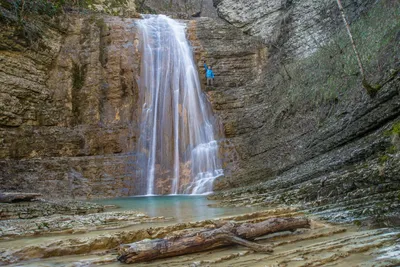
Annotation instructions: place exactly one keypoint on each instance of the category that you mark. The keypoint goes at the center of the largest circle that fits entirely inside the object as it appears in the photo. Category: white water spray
(178, 151)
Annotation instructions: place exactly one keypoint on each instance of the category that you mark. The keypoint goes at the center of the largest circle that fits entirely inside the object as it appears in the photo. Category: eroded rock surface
(72, 224)
(84, 147)
(67, 111)
(300, 26)
(323, 244)
(41, 208)
(183, 9)
(337, 155)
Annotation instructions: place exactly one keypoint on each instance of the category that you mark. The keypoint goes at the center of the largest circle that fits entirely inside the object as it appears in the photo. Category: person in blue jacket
(209, 74)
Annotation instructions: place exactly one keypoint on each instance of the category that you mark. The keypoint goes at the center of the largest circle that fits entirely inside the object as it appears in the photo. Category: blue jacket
(209, 73)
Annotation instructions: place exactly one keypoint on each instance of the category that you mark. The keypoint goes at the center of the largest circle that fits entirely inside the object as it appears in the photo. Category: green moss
(395, 130)
(98, 20)
(100, 23)
(392, 150)
(78, 76)
(125, 8)
(383, 159)
(92, 19)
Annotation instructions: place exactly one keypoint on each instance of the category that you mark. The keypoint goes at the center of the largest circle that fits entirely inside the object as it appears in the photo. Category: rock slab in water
(18, 197)
(35, 209)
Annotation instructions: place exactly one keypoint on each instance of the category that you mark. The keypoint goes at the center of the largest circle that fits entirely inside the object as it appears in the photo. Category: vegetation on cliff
(24, 8)
(332, 72)
(28, 18)
(31, 18)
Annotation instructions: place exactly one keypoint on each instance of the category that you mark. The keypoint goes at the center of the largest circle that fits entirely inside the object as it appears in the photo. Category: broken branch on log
(228, 234)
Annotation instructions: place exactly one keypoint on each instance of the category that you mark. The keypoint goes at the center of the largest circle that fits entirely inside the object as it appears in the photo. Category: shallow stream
(179, 208)
(182, 208)
(322, 245)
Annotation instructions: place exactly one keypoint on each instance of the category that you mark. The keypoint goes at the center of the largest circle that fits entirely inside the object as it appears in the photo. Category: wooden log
(228, 234)
(251, 231)
(17, 197)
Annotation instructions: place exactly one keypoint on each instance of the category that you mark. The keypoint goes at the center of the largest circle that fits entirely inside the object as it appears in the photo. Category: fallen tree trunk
(228, 234)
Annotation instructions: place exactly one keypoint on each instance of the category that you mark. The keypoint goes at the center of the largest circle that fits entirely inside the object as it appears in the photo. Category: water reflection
(183, 208)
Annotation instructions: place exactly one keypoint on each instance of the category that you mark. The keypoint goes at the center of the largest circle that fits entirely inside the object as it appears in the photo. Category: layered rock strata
(67, 124)
(322, 244)
(338, 157)
(183, 9)
(75, 136)
(298, 27)
(43, 208)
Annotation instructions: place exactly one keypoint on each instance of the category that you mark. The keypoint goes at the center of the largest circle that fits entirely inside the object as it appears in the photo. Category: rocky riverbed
(43, 217)
(92, 240)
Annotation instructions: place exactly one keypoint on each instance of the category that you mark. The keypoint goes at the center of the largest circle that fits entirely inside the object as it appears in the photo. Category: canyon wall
(297, 144)
(298, 125)
(67, 110)
(297, 27)
(183, 9)
(68, 124)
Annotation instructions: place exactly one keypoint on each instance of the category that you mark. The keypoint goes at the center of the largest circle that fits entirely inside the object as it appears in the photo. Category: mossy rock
(396, 129)
(78, 76)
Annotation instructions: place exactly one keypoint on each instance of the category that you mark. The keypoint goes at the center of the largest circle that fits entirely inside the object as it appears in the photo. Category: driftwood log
(228, 234)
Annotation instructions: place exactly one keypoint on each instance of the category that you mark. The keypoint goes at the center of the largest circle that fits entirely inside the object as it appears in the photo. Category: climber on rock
(209, 74)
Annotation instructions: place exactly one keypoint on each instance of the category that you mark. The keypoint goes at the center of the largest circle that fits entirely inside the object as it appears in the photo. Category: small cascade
(177, 148)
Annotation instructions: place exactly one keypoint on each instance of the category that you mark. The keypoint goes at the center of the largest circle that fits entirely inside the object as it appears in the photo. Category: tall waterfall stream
(177, 147)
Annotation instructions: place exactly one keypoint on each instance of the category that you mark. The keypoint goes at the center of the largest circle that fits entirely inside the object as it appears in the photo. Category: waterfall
(177, 148)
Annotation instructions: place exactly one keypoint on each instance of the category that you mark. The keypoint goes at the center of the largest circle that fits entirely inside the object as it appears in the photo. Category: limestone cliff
(67, 109)
(68, 120)
(307, 132)
(299, 27)
(183, 9)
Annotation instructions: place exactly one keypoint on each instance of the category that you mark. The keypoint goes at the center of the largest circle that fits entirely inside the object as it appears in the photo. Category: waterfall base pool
(323, 243)
(182, 208)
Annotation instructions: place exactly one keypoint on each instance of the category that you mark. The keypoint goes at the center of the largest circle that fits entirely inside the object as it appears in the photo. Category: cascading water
(177, 147)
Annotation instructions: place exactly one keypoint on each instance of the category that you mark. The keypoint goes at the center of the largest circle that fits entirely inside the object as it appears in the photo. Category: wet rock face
(70, 129)
(238, 61)
(299, 27)
(67, 104)
(68, 121)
